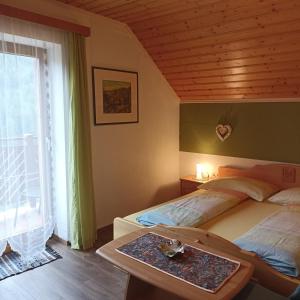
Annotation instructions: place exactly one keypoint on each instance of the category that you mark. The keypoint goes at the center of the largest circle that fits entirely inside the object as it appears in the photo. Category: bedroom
(136, 166)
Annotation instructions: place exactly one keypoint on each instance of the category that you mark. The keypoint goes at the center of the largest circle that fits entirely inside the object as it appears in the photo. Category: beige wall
(135, 165)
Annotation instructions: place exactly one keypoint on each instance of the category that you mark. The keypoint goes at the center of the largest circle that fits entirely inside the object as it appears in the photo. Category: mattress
(234, 222)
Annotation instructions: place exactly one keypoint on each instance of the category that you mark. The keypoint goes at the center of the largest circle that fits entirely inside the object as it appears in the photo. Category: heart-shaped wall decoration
(223, 131)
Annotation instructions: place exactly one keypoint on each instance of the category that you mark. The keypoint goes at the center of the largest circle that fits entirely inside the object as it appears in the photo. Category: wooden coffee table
(146, 282)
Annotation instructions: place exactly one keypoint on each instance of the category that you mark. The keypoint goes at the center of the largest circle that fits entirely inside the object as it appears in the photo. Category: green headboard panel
(266, 131)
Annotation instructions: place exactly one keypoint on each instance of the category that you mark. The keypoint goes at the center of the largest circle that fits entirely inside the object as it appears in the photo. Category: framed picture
(115, 96)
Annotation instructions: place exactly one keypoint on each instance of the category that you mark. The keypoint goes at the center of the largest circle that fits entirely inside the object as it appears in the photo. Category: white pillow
(254, 188)
(289, 196)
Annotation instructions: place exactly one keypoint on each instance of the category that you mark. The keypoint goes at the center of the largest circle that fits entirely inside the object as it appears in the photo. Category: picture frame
(115, 96)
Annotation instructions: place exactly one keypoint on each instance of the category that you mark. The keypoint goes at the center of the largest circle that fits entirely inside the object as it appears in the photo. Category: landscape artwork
(116, 97)
(115, 94)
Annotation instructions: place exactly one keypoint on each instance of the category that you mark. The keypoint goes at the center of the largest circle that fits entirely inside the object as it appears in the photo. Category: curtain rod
(44, 20)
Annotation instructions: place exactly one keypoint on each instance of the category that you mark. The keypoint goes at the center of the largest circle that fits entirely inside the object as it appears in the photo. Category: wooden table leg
(140, 290)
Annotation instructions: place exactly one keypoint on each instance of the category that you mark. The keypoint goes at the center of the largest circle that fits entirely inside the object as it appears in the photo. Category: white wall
(134, 165)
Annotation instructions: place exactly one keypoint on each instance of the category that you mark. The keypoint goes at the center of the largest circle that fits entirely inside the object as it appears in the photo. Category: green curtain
(81, 192)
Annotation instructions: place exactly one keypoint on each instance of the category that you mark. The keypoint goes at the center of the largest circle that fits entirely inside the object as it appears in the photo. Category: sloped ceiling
(212, 50)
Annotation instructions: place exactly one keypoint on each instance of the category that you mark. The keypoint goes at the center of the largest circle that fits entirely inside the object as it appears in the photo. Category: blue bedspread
(191, 210)
(278, 245)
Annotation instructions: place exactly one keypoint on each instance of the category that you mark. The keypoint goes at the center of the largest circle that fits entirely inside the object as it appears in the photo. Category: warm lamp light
(202, 171)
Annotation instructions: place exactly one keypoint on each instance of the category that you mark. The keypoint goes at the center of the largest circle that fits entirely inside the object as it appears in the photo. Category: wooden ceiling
(212, 50)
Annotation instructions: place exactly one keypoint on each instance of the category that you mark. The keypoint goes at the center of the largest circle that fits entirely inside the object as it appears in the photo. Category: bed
(220, 231)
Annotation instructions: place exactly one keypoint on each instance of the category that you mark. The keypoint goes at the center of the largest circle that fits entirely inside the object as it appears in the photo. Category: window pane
(19, 102)
(20, 190)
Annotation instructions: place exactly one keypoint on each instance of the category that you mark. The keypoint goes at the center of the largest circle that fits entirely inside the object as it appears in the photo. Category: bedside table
(189, 184)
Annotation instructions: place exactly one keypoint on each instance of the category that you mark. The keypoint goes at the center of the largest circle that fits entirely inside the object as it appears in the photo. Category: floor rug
(12, 263)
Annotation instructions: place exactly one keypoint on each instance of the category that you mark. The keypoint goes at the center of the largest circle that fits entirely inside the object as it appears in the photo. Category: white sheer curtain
(31, 90)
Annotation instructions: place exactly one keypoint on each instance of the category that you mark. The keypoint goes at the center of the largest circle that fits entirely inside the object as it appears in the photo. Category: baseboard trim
(104, 235)
(103, 231)
(60, 240)
(107, 228)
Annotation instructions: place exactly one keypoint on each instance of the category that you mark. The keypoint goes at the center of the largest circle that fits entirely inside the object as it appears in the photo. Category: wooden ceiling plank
(246, 98)
(71, 2)
(86, 4)
(171, 16)
(106, 5)
(219, 17)
(288, 82)
(121, 11)
(213, 75)
(240, 98)
(187, 14)
(247, 45)
(271, 96)
(83, 3)
(253, 77)
(241, 90)
(89, 5)
(241, 35)
(157, 12)
(260, 90)
(235, 63)
(258, 22)
(263, 52)
(168, 11)
(275, 67)
(127, 11)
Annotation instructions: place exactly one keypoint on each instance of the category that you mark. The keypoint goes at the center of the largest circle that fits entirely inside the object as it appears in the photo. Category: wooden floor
(78, 276)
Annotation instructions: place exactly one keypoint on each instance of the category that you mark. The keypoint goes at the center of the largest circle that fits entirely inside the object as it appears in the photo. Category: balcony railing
(19, 177)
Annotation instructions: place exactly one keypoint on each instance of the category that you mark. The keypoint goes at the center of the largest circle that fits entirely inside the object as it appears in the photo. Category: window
(32, 139)
(23, 155)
